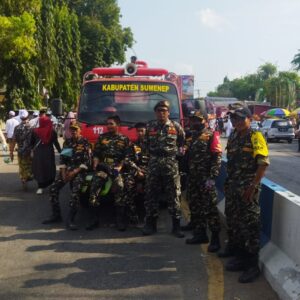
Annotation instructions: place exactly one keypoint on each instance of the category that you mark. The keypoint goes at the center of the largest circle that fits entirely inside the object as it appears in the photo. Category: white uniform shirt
(10, 127)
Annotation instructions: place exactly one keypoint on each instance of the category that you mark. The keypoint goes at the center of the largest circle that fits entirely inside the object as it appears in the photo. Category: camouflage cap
(233, 106)
(140, 125)
(242, 112)
(196, 114)
(163, 103)
(74, 126)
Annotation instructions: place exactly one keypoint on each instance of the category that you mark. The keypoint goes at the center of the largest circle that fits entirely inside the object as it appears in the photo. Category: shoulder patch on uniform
(104, 141)
(259, 144)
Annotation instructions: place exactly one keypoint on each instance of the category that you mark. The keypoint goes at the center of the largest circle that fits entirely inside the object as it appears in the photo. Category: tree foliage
(50, 43)
(279, 88)
(48, 57)
(17, 38)
(17, 52)
(10, 8)
(103, 40)
(68, 66)
(296, 61)
(266, 71)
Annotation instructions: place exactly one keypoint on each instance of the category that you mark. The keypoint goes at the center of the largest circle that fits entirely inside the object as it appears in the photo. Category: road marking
(215, 280)
(214, 267)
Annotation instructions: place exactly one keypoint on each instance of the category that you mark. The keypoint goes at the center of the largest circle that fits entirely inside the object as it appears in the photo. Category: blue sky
(212, 39)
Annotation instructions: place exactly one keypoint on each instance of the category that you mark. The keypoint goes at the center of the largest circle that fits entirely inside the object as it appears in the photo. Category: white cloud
(211, 19)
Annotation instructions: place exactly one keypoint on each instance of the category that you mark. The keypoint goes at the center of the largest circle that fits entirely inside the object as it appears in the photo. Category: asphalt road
(284, 166)
(50, 262)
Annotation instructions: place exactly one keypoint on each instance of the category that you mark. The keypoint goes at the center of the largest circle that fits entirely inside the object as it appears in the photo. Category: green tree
(68, 50)
(103, 40)
(266, 71)
(75, 64)
(296, 61)
(46, 43)
(17, 51)
(48, 60)
(282, 89)
(10, 8)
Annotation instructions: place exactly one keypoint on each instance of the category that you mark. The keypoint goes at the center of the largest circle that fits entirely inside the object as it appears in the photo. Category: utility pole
(198, 93)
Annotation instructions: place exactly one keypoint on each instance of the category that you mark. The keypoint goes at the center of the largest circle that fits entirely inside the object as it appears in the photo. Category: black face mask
(198, 126)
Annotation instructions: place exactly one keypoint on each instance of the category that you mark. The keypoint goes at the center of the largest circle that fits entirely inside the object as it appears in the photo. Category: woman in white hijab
(71, 118)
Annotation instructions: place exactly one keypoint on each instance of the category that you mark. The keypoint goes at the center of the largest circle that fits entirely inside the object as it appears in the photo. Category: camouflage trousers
(203, 205)
(133, 190)
(117, 189)
(25, 167)
(242, 218)
(75, 186)
(163, 179)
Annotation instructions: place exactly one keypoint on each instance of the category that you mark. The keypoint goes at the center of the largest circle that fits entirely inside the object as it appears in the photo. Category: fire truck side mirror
(130, 69)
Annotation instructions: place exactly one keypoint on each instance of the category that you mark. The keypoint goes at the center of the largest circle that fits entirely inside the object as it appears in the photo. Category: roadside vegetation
(47, 46)
(280, 88)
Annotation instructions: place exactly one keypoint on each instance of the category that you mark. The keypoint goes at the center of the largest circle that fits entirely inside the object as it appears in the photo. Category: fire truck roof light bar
(144, 71)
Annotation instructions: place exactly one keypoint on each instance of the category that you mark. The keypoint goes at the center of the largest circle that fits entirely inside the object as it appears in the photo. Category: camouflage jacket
(80, 156)
(111, 148)
(137, 157)
(22, 136)
(164, 139)
(203, 160)
(242, 164)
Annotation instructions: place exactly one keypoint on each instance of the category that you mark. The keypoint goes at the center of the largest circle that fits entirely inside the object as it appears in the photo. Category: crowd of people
(150, 169)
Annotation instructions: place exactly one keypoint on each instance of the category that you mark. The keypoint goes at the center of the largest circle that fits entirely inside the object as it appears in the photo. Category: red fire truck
(131, 92)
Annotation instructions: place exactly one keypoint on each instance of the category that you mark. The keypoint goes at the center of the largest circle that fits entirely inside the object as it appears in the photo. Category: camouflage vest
(164, 140)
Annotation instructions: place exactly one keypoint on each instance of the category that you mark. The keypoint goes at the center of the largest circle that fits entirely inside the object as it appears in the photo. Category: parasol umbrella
(277, 112)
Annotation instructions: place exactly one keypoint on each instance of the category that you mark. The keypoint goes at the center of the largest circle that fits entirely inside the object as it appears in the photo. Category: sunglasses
(110, 123)
(162, 110)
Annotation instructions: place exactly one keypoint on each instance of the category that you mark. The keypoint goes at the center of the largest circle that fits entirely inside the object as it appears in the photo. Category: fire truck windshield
(131, 101)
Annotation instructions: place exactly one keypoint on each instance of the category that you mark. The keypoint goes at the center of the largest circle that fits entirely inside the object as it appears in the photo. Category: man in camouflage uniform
(204, 161)
(108, 159)
(229, 246)
(74, 162)
(247, 155)
(164, 138)
(22, 137)
(135, 171)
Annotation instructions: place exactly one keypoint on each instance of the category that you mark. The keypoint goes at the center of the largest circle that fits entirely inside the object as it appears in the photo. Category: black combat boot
(214, 244)
(95, 212)
(150, 226)
(188, 227)
(54, 218)
(70, 221)
(228, 251)
(251, 271)
(238, 262)
(199, 237)
(121, 218)
(176, 228)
